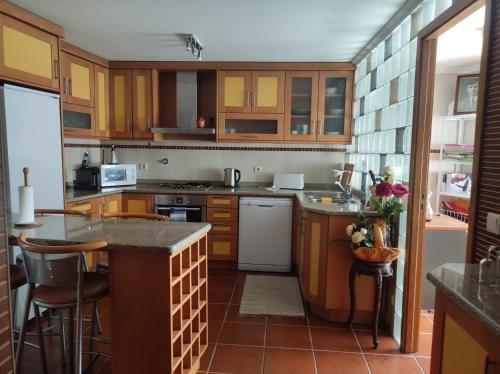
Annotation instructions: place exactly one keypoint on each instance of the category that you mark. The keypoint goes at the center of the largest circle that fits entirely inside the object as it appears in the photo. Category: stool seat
(95, 286)
(17, 276)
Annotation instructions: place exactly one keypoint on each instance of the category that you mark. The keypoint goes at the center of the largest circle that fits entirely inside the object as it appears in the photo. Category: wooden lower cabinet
(113, 203)
(140, 203)
(460, 344)
(91, 206)
(222, 213)
(324, 260)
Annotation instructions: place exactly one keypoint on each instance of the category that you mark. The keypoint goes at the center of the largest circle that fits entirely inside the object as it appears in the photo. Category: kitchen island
(158, 287)
(466, 335)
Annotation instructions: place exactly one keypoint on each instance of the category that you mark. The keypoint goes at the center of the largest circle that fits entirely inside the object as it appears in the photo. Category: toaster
(289, 181)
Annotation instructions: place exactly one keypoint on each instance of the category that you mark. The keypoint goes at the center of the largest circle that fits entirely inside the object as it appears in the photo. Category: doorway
(448, 81)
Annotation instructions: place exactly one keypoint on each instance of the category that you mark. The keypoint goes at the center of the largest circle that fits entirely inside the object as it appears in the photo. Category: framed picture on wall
(466, 94)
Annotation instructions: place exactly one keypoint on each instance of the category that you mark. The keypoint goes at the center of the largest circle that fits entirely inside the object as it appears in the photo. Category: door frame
(419, 163)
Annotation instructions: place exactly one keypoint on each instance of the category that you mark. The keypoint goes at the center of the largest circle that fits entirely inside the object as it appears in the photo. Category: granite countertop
(460, 283)
(120, 234)
(154, 188)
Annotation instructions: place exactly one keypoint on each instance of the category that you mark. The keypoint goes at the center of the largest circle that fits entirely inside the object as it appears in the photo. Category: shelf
(333, 116)
(462, 117)
(300, 115)
(457, 162)
(459, 195)
(301, 95)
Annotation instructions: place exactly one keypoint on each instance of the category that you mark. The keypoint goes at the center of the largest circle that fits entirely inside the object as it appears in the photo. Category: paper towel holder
(26, 171)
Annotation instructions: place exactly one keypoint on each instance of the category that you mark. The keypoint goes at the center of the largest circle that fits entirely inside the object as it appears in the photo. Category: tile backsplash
(206, 160)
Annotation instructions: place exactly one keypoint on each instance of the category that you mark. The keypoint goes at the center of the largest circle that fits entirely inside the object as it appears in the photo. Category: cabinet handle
(313, 128)
(56, 69)
(70, 84)
(64, 86)
(128, 123)
(320, 128)
(487, 364)
(149, 123)
(253, 98)
(247, 98)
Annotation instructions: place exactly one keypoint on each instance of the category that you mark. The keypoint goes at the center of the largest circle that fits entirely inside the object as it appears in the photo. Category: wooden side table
(379, 271)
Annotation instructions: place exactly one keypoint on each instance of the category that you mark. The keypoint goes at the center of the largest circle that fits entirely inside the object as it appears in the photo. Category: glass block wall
(383, 114)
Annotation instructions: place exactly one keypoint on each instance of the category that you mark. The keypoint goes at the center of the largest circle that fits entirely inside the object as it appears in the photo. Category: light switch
(493, 223)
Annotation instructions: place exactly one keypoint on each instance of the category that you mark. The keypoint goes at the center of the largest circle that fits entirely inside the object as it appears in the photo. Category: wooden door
(335, 106)
(268, 92)
(301, 105)
(142, 112)
(113, 203)
(234, 91)
(78, 80)
(139, 203)
(28, 54)
(120, 105)
(315, 252)
(101, 100)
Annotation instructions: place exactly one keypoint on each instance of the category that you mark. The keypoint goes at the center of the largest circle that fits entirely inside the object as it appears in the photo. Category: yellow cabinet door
(222, 247)
(120, 103)
(315, 252)
(268, 92)
(461, 353)
(28, 54)
(113, 203)
(78, 80)
(235, 91)
(137, 203)
(335, 106)
(101, 101)
(142, 104)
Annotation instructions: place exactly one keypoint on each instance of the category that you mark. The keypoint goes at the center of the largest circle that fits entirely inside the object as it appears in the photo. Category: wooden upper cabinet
(251, 91)
(142, 104)
(234, 91)
(28, 54)
(335, 106)
(101, 101)
(301, 105)
(120, 87)
(268, 91)
(77, 80)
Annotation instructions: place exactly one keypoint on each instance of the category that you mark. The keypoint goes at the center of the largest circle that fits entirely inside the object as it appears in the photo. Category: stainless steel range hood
(187, 107)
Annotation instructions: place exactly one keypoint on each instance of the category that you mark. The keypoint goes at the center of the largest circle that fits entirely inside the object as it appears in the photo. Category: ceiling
(459, 48)
(230, 30)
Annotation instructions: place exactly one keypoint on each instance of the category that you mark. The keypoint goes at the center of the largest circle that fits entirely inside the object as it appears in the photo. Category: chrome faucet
(347, 191)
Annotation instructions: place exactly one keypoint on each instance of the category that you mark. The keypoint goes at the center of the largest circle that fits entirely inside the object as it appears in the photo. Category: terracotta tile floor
(257, 345)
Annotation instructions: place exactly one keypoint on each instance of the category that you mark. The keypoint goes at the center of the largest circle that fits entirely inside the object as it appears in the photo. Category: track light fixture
(194, 46)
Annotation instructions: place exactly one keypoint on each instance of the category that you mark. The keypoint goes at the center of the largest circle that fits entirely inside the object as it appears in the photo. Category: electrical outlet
(258, 169)
(493, 223)
(145, 166)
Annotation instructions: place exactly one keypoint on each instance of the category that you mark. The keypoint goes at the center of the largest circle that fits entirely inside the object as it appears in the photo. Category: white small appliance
(265, 234)
(117, 175)
(289, 181)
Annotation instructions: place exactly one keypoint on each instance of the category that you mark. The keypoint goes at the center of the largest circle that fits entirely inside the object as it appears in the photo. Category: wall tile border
(206, 148)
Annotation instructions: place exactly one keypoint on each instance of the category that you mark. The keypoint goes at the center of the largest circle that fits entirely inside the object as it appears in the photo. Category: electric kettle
(231, 177)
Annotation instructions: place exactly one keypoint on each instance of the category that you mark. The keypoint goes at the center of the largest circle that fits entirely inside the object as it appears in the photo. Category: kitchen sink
(338, 198)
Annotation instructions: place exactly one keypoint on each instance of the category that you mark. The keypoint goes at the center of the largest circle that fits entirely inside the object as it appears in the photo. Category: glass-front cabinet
(247, 127)
(301, 104)
(334, 106)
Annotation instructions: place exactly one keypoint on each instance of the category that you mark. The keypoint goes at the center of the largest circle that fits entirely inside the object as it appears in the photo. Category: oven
(181, 208)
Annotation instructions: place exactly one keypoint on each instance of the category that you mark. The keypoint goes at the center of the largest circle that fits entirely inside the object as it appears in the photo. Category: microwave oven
(94, 177)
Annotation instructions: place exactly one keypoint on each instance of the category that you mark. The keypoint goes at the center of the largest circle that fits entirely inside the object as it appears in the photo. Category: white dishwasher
(265, 234)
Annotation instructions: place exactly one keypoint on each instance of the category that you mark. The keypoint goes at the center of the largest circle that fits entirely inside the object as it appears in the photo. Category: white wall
(209, 164)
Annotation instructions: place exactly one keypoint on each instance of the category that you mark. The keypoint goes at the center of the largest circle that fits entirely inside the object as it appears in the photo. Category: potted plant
(370, 236)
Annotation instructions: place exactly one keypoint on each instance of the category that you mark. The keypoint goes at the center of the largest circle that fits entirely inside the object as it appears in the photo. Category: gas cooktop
(187, 186)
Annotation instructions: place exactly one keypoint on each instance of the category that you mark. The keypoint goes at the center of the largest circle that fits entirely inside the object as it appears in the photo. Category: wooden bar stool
(103, 261)
(56, 280)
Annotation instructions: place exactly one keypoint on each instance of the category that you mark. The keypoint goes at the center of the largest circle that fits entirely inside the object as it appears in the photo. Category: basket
(376, 254)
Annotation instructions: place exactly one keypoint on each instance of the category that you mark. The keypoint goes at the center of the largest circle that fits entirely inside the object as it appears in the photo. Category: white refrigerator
(31, 136)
